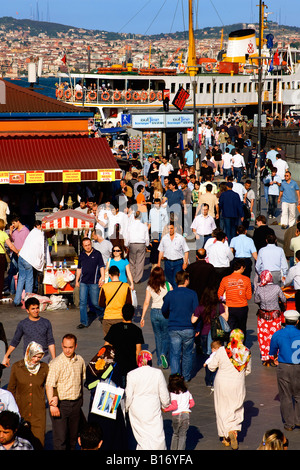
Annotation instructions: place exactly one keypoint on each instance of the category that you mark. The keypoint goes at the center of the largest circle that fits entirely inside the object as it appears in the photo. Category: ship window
(173, 88)
(188, 87)
(283, 85)
(221, 88)
(288, 85)
(245, 87)
(233, 88)
(201, 87)
(298, 85)
(269, 86)
(238, 87)
(250, 87)
(226, 87)
(208, 88)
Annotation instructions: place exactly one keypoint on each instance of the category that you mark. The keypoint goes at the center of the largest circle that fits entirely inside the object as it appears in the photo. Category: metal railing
(288, 139)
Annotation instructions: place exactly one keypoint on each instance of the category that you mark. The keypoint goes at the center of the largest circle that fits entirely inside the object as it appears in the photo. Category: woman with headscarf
(269, 315)
(232, 363)
(27, 384)
(146, 394)
(103, 368)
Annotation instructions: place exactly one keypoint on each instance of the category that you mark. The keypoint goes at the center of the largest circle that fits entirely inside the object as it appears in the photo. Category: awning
(111, 130)
(42, 160)
(68, 219)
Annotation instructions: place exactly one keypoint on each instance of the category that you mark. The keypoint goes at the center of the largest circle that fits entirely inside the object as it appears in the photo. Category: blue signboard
(125, 119)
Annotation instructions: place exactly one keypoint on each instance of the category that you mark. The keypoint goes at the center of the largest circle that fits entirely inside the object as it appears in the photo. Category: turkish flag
(64, 59)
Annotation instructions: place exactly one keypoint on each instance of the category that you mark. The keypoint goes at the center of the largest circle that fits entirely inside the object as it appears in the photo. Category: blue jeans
(161, 335)
(25, 279)
(230, 226)
(227, 172)
(171, 268)
(181, 349)
(88, 292)
(237, 174)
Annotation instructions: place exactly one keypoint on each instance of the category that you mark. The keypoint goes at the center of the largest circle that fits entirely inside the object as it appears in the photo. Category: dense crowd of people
(164, 208)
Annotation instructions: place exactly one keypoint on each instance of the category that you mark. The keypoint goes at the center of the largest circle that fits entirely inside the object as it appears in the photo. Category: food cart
(59, 276)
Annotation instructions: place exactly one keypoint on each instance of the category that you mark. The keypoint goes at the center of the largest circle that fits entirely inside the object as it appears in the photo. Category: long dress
(146, 393)
(229, 392)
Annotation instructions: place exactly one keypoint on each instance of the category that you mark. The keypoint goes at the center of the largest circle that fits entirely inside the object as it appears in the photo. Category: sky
(149, 16)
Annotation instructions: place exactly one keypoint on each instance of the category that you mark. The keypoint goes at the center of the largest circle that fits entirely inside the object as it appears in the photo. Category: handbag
(7, 257)
(218, 330)
(107, 399)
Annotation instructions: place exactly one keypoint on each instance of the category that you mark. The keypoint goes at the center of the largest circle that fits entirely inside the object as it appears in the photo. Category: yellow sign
(106, 175)
(4, 177)
(71, 176)
(35, 177)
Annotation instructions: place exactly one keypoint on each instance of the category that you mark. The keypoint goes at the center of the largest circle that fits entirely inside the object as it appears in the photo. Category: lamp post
(259, 102)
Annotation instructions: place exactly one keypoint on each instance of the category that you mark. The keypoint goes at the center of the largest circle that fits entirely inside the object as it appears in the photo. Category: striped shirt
(67, 376)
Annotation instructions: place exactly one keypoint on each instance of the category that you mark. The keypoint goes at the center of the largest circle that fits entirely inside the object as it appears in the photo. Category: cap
(291, 315)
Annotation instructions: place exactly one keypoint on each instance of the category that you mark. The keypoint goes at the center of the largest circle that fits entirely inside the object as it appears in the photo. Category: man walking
(203, 226)
(231, 210)
(290, 196)
(90, 276)
(179, 305)
(64, 388)
(138, 241)
(175, 251)
(272, 258)
(285, 346)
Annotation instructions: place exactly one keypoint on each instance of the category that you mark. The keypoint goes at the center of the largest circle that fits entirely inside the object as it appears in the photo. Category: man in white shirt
(281, 166)
(175, 251)
(138, 240)
(165, 169)
(220, 255)
(227, 163)
(238, 163)
(116, 219)
(31, 256)
(202, 226)
(158, 219)
(104, 246)
(208, 133)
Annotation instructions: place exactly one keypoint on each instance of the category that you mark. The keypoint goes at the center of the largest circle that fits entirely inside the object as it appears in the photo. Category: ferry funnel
(240, 44)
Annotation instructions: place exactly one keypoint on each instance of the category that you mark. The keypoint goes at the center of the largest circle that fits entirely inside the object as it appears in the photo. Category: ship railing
(108, 96)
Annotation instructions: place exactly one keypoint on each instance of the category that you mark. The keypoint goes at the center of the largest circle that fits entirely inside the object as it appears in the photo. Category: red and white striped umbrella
(68, 219)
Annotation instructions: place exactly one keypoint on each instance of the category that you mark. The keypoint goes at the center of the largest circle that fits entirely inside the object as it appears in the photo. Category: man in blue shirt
(285, 345)
(272, 258)
(179, 305)
(231, 210)
(90, 276)
(290, 196)
(243, 247)
(174, 198)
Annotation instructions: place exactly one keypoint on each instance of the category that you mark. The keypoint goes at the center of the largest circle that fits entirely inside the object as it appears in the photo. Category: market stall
(59, 277)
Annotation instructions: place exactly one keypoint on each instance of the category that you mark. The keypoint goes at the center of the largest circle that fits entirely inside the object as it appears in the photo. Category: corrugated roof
(23, 100)
(53, 154)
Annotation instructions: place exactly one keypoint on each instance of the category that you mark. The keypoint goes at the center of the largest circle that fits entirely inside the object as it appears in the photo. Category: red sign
(180, 99)
(16, 178)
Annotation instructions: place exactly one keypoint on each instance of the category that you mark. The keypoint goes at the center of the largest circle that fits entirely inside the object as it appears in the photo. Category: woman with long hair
(156, 290)
(118, 259)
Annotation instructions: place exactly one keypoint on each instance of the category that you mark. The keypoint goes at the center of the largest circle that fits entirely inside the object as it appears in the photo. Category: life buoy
(60, 93)
(92, 96)
(241, 68)
(56, 93)
(209, 67)
(127, 95)
(136, 96)
(68, 94)
(152, 95)
(182, 68)
(78, 95)
(105, 96)
(117, 95)
(144, 95)
(159, 95)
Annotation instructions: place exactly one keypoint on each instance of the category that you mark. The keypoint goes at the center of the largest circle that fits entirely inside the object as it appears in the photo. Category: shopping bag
(134, 298)
(107, 399)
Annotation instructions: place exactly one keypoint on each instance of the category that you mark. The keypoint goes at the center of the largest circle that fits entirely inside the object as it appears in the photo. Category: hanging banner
(4, 177)
(106, 175)
(35, 177)
(16, 178)
(71, 176)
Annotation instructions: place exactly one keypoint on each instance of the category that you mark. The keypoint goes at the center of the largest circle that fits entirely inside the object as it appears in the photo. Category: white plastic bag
(57, 302)
(134, 298)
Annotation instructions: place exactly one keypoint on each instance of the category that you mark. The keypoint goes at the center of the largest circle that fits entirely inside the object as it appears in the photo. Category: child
(181, 402)
(215, 345)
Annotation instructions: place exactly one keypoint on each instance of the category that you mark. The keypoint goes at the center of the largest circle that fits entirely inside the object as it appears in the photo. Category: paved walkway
(261, 405)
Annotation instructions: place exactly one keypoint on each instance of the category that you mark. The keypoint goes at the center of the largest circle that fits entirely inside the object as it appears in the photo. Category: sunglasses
(117, 251)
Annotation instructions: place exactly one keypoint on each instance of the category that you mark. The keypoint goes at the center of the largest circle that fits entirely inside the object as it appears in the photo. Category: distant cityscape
(23, 41)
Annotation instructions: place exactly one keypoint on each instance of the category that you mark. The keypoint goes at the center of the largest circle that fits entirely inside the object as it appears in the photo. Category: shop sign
(106, 175)
(16, 178)
(35, 177)
(71, 176)
(179, 120)
(148, 121)
(4, 177)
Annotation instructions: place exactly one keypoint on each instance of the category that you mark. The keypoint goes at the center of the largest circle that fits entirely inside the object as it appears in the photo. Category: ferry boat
(214, 86)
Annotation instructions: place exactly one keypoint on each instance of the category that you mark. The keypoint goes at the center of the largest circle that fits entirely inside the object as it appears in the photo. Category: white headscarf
(33, 349)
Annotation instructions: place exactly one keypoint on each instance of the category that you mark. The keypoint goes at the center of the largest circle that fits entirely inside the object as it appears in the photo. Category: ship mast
(192, 62)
